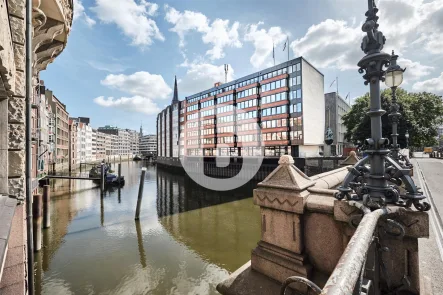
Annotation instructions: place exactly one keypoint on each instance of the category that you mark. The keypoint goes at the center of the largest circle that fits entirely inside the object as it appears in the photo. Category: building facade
(148, 144)
(279, 110)
(335, 108)
(124, 142)
(72, 145)
(61, 136)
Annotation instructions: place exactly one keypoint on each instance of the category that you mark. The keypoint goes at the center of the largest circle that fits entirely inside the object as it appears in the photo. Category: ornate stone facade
(52, 20)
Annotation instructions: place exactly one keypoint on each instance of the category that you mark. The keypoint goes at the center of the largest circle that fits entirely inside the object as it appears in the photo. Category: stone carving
(286, 160)
(7, 66)
(16, 163)
(17, 29)
(16, 107)
(16, 137)
(17, 187)
(17, 8)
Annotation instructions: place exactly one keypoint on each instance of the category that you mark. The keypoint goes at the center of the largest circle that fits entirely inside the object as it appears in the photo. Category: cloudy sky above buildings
(122, 55)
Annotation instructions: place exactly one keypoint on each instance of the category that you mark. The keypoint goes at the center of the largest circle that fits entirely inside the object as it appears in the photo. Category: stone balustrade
(305, 230)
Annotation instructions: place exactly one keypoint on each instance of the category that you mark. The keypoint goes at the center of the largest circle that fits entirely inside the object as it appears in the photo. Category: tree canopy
(421, 114)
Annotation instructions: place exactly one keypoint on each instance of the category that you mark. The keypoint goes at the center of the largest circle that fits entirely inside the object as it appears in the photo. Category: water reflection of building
(218, 226)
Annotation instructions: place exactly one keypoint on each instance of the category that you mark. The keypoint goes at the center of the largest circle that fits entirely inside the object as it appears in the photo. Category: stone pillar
(281, 197)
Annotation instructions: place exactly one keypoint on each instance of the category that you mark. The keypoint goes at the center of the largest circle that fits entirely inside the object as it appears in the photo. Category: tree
(421, 114)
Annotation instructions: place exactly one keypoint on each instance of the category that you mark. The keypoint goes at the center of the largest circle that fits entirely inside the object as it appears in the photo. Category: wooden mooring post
(119, 172)
(37, 221)
(47, 207)
(140, 193)
(102, 177)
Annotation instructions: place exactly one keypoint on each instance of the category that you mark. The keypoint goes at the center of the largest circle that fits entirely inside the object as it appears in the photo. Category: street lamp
(394, 78)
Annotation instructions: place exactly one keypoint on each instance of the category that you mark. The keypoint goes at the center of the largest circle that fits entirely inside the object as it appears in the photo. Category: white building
(94, 144)
(148, 144)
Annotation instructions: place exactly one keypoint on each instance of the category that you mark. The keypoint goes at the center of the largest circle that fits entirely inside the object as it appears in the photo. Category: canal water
(188, 238)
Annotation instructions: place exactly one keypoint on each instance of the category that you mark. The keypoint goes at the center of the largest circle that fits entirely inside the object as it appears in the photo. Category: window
(247, 115)
(225, 119)
(226, 139)
(274, 123)
(274, 97)
(224, 109)
(207, 131)
(192, 124)
(273, 85)
(247, 104)
(247, 138)
(192, 116)
(275, 136)
(208, 122)
(296, 135)
(247, 92)
(247, 127)
(295, 108)
(192, 142)
(294, 68)
(274, 74)
(277, 151)
(193, 133)
(207, 113)
(274, 111)
(225, 129)
(225, 98)
(247, 82)
(207, 104)
(295, 94)
(295, 81)
(296, 123)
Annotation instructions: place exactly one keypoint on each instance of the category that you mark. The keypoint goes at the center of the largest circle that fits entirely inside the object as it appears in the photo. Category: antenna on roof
(226, 72)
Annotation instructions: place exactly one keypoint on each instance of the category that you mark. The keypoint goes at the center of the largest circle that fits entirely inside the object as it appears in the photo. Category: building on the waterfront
(72, 144)
(51, 22)
(148, 144)
(102, 148)
(286, 101)
(335, 108)
(126, 140)
(84, 140)
(61, 136)
(93, 144)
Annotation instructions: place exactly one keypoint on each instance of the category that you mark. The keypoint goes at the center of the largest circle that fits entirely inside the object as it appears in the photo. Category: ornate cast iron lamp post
(394, 78)
(369, 180)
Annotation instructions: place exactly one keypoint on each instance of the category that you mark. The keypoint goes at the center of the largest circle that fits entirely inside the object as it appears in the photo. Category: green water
(187, 241)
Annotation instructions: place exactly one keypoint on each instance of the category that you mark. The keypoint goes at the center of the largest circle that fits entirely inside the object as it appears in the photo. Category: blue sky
(119, 65)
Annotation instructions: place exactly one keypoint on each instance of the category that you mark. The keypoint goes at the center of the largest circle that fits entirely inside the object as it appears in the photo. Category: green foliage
(421, 114)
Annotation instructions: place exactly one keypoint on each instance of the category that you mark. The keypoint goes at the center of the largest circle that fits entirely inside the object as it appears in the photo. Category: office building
(148, 144)
(335, 108)
(276, 111)
(61, 135)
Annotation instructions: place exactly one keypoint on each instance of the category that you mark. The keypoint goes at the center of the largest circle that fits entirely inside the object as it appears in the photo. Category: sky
(122, 55)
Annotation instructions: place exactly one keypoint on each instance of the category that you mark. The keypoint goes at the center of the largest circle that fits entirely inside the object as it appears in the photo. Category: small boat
(137, 158)
(110, 178)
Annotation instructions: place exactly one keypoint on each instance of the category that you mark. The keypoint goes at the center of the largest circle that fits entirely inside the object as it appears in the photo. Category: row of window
(207, 113)
(247, 138)
(247, 115)
(225, 129)
(224, 109)
(247, 104)
(193, 133)
(247, 92)
(274, 123)
(295, 108)
(249, 151)
(296, 135)
(274, 98)
(225, 119)
(273, 85)
(192, 124)
(192, 116)
(207, 131)
(226, 139)
(208, 140)
(295, 94)
(295, 68)
(192, 108)
(296, 122)
(225, 98)
(247, 127)
(192, 141)
(207, 122)
(274, 111)
(247, 82)
(207, 103)
(295, 81)
(274, 74)
(275, 136)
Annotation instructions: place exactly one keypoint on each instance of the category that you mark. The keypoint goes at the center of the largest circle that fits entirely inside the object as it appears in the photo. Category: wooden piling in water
(119, 172)
(102, 177)
(37, 221)
(140, 193)
(46, 207)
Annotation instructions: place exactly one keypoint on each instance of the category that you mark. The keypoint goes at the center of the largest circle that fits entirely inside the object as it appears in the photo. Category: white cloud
(142, 83)
(202, 76)
(220, 34)
(136, 103)
(434, 85)
(79, 13)
(132, 17)
(414, 70)
(331, 43)
(111, 67)
(263, 40)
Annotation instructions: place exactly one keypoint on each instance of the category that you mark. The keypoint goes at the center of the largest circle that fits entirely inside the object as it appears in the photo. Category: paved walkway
(428, 175)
